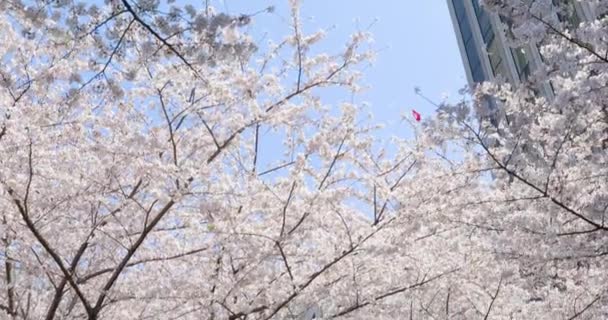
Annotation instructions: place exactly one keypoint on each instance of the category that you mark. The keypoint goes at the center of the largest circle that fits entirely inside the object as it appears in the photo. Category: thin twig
(293, 186)
(333, 163)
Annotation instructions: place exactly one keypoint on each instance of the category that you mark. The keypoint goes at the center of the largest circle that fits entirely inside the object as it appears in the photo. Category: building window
(522, 62)
(459, 9)
(485, 24)
(493, 47)
(470, 46)
(567, 13)
(496, 59)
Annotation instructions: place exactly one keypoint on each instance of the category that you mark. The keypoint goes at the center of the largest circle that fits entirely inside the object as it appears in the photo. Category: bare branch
(390, 293)
(59, 290)
(276, 168)
(589, 305)
(554, 162)
(299, 51)
(293, 186)
(217, 144)
(23, 210)
(375, 205)
(102, 23)
(125, 260)
(394, 186)
(333, 162)
(47, 247)
(160, 38)
(138, 262)
(295, 227)
(588, 47)
(226, 144)
(284, 257)
(111, 57)
(255, 150)
(307, 87)
(493, 300)
(315, 275)
(576, 233)
(8, 274)
(532, 185)
(169, 126)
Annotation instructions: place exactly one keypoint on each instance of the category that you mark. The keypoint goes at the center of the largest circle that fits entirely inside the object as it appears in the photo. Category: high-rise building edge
(485, 51)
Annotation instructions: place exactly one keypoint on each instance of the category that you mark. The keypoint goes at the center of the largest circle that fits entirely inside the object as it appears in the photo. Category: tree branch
(8, 270)
(138, 262)
(393, 292)
(159, 37)
(578, 314)
(47, 247)
(24, 212)
(284, 257)
(333, 162)
(293, 186)
(125, 260)
(588, 47)
(169, 125)
(59, 289)
(533, 186)
(493, 299)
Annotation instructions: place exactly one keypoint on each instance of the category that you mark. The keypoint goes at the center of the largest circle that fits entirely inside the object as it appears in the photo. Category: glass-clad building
(469, 42)
(483, 46)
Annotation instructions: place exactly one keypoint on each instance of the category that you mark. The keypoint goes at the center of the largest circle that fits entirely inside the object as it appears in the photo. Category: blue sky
(414, 38)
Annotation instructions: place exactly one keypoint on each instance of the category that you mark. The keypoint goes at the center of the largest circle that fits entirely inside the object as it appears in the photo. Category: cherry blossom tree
(539, 163)
(157, 163)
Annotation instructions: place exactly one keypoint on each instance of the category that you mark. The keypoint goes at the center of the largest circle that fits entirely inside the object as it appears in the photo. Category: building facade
(484, 50)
